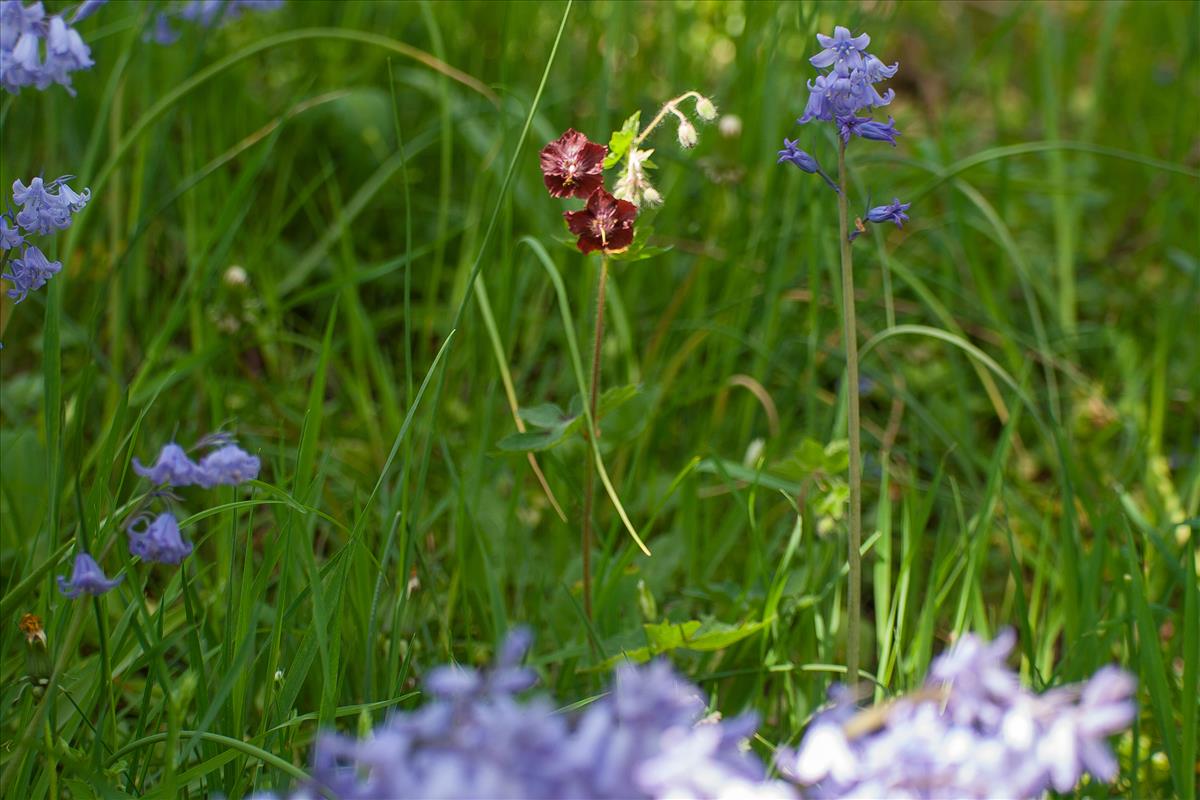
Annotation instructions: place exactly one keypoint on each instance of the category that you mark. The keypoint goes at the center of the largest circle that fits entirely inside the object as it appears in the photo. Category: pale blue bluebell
(171, 467)
(30, 272)
(792, 153)
(24, 30)
(86, 578)
(157, 540)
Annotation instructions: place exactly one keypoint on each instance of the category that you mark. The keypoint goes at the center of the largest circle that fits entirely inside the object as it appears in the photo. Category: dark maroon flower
(605, 224)
(572, 166)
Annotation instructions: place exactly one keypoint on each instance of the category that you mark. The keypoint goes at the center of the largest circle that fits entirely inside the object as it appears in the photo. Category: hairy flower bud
(687, 134)
(705, 109)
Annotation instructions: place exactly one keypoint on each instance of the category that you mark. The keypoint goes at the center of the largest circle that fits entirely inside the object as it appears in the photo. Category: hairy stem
(590, 475)
(668, 108)
(850, 337)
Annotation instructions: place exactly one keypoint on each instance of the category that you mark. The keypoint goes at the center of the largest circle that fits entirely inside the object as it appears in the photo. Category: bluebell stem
(646, 738)
(837, 96)
(86, 578)
(157, 540)
(972, 731)
(24, 30)
(86, 9)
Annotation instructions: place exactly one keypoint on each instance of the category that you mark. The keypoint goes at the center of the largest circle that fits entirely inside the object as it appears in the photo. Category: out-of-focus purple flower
(894, 212)
(876, 70)
(23, 29)
(157, 541)
(206, 14)
(30, 272)
(86, 578)
(841, 48)
(972, 732)
(792, 154)
(227, 466)
(172, 467)
(867, 128)
(644, 739)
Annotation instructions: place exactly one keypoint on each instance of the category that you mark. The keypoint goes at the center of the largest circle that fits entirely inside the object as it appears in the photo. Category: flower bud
(687, 134)
(730, 126)
(706, 109)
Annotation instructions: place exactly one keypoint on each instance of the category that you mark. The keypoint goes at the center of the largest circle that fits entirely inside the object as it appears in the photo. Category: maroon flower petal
(572, 166)
(605, 224)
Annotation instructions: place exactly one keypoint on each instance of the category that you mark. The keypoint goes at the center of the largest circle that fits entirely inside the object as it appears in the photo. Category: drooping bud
(687, 134)
(705, 109)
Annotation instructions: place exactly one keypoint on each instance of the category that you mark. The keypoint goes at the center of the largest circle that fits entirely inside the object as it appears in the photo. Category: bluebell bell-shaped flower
(86, 578)
(171, 467)
(227, 466)
(10, 237)
(867, 128)
(876, 71)
(792, 154)
(157, 541)
(893, 212)
(30, 272)
(46, 209)
(23, 29)
(841, 48)
(819, 106)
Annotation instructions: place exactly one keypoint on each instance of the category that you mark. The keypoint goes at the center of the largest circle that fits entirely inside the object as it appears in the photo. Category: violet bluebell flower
(867, 128)
(23, 29)
(893, 212)
(794, 155)
(157, 541)
(227, 466)
(10, 236)
(171, 467)
(30, 272)
(47, 208)
(972, 732)
(841, 48)
(86, 578)
(646, 738)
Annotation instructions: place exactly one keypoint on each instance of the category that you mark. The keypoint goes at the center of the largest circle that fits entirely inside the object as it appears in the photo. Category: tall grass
(1030, 372)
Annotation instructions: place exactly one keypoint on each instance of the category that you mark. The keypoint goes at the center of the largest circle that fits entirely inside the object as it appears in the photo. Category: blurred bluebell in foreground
(36, 50)
(646, 738)
(86, 578)
(972, 732)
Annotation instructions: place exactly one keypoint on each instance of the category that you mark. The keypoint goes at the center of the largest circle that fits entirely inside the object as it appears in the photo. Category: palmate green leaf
(620, 141)
(546, 415)
(641, 249)
(536, 441)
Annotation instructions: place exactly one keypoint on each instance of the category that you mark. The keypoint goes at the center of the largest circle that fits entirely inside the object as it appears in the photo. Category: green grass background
(1031, 386)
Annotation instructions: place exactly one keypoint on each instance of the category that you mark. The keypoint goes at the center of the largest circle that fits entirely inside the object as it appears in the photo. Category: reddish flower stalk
(605, 224)
(572, 166)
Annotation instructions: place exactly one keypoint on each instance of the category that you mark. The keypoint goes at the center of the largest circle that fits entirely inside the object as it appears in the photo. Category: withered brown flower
(605, 224)
(572, 166)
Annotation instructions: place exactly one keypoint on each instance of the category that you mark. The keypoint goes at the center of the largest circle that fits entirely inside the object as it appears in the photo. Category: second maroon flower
(605, 224)
(572, 166)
